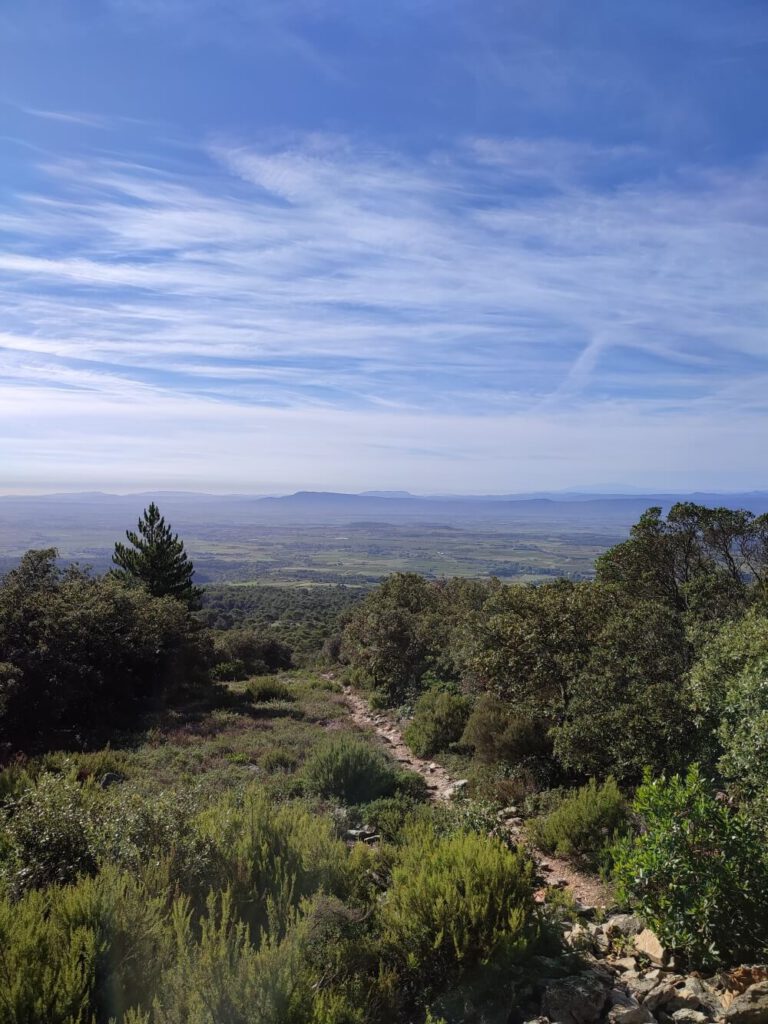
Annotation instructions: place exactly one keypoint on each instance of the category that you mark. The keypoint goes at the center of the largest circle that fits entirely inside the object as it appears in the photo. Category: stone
(626, 963)
(458, 787)
(111, 779)
(640, 987)
(648, 943)
(576, 1000)
(357, 835)
(751, 1007)
(630, 1015)
(688, 1016)
(619, 997)
(580, 938)
(623, 924)
(701, 996)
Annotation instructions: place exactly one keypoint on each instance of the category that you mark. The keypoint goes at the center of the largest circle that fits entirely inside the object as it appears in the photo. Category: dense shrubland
(659, 664)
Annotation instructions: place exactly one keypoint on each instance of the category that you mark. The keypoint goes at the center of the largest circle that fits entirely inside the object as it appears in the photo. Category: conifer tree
(156, 558)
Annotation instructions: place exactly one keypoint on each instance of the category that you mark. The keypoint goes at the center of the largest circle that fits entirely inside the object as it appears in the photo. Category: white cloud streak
(498, 298)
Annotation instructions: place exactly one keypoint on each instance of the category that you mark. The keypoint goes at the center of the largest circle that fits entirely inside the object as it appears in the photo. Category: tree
(80, 653)
(157, 559)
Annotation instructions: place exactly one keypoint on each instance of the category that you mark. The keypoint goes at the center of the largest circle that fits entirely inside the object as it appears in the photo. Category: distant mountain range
(38, 513)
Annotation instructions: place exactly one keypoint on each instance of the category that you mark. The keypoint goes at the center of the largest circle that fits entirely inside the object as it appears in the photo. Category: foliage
(528, 644)
(264, 690)
(497, 732)
(155, 558)
(46, 835)
(82, 652)
(454, 901)
(303, 619)
(729, 694)
(349, 770)
(697, 870)
(696, 561)
(584, 824)
(627, 706)
(439, 717)
(241, 653)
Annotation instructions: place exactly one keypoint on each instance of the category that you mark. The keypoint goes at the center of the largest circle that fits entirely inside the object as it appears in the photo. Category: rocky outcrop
(606, 984)
(751, 1007)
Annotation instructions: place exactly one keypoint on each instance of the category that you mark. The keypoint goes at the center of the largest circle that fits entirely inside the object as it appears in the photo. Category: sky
(456, 246)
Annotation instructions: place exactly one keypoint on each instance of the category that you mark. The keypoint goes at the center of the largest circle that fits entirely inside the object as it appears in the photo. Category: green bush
(263, 691)
(76, 953)
(279, 759)
(46, 835)
(697, 871)
(455, 901)
(439, 718)
(350, 770)
(498, 733)
(584, 824)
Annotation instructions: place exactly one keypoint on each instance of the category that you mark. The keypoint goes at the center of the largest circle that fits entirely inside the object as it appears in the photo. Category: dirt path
(587, 889)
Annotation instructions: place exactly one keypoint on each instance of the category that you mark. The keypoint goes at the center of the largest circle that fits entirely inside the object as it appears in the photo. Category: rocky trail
(586, 889)
(618, 972)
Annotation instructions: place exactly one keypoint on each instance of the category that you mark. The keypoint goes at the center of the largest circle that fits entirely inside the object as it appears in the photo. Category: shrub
(279, 759)
(229, 671)
(498, 733)
(263, 691)
(454, 902)
(439, 718)
(697, 871)
(272, 857)
(47, 835)
(81, 952)
(584, 824)
(350, 770)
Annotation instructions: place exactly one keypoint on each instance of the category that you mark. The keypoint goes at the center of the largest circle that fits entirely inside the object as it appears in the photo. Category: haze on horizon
(439, 247)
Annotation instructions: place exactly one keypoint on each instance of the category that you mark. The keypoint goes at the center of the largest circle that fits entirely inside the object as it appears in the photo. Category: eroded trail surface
(587, 889)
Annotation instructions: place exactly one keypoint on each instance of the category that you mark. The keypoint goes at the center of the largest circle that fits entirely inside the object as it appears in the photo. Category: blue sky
(447, 246)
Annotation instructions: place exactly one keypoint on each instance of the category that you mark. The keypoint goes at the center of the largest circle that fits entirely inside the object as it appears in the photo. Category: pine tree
(156, 558)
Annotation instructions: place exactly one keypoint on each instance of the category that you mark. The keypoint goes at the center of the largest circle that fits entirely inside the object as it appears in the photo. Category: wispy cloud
(68, 117)
(484, 291)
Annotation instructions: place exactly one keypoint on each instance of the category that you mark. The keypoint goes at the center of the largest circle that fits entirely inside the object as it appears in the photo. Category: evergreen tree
(156, 558)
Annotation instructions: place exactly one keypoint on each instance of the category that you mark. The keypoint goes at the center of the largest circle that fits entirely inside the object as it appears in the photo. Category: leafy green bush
(697, 871)
(229, 671)
(584, 824)
(498, 733)
(455, 901)
(81, 952)
(439, 718)
(349, 770)
(263, 691)
(279, 759)
(46, 835)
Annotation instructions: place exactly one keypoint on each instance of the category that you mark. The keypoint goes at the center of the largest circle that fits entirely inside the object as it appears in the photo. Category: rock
(618, 997)
(626, 963)
(576, 1000)
(640, 987)
(630, 1015)
(580, 938)
(688, 1016)
(507, 812)
(457, 788)
(358, 835)
(670, 994)
(648, 943)
(701, 996)
(623, 924)
(111, 779)
(751, 1007)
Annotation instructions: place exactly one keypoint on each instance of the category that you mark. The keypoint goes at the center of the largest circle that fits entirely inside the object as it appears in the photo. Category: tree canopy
(155, 557)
